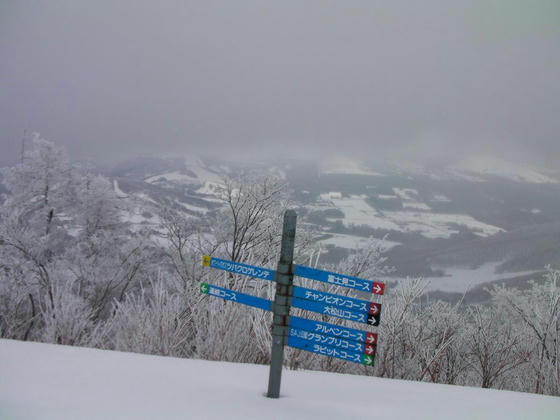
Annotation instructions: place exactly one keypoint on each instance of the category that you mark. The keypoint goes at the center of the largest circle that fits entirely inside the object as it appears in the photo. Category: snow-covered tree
(70, 319)
(493, 345)
(31, 232)
(152, 321)
(249, 226)
(536, 312)
(394, 353)
(61, 240)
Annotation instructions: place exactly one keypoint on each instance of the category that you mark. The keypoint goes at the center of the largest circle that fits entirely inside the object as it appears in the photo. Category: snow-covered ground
(174, 176)
(199, 175)
(406, 193)
(120, 193)
(486, 165)
(416, 205)
(355, 242)
(460, 280)
(358, 212)
(346, 165)
(191, 207)
(45, 381)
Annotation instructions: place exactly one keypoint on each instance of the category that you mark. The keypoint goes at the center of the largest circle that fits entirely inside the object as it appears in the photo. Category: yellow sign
(206, 260)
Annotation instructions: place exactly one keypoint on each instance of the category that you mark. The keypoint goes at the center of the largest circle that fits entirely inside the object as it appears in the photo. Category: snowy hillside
(474, 213)
(195, 184)
(481, 168)
(357, 212)
(43, 381)
(484, 165)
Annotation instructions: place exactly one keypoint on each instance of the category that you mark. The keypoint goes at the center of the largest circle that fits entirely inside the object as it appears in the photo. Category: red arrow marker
(369, 349)
(378, 288)
(374, 308)
(371, 338)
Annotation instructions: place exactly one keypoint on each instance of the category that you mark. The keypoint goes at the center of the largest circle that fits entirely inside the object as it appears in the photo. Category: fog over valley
(433, 83)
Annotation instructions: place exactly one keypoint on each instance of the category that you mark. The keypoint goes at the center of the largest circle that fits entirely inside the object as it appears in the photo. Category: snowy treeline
(72, 271)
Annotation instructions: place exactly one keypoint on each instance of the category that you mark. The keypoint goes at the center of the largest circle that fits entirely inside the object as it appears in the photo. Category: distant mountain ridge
(464, 215)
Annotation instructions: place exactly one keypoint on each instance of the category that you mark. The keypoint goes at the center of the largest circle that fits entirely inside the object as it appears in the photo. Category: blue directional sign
(340, 279)
(348, 355)
(339, 343)
(243, 298)
(325, 309)
(315, 336)
(345, 302)
(238, 268)
(325, 328)
(300, 271)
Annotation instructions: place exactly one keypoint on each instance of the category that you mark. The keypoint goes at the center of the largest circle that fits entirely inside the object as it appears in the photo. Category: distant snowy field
(44, 381)
(461, 280)
(415, 218)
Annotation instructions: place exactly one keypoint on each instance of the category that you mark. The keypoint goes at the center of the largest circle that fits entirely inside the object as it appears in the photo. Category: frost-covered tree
(39, 186)
(249, 226)
(437, 328)
(395, 355)
(31, 230)
(152, 321)
(18, 307)
(107, 259)
(61, 240)
(536, 312)
(492, 345)
(367, 261)
(248, 229)
(185, 244)
(70, 319)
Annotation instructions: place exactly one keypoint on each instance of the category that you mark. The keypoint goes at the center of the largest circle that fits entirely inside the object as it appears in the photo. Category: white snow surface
(196, 165)
(406, 193)
(441, 198)
(46, 381)
(486, 165)
(120, 193)
(355, 242)
(416, 205)
(345, 165)
(331, 195)
(174, 176)
(461, 279)
(191, 207)
(431, 225)
(476, 168)
(203, 177)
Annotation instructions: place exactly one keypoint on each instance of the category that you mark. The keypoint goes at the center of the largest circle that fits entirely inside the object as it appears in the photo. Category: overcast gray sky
(425, 79)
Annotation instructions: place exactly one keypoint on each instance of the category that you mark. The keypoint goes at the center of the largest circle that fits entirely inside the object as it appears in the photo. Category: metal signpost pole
(282, 300)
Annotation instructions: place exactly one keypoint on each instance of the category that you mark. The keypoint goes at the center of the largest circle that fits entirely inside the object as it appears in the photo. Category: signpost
(340, 279)
(324, 309)
(238, 297)
(281, 312)
(318, 337)
(356, 283)
(333, 330)
(238, 268)
(345, 302)
(348, 355)
(339, 343)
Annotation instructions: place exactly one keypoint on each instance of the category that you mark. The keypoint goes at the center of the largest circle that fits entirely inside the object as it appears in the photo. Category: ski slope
(45, 381)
